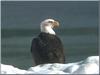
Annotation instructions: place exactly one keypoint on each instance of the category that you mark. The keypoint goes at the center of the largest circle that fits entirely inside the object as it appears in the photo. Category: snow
(87, 66)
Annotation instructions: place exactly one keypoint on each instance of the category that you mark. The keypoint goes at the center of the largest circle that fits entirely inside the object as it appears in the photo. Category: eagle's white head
(48, 25)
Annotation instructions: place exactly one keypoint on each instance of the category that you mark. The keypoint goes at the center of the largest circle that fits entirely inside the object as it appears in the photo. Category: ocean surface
(20, 24)
(78, 44)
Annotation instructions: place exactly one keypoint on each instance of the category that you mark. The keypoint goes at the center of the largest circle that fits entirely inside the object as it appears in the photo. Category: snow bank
(87, 66)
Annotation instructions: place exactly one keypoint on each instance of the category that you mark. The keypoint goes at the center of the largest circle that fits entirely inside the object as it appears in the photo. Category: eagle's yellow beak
(55, 24)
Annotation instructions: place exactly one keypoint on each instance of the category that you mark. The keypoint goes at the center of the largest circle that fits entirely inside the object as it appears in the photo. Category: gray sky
(29, 14)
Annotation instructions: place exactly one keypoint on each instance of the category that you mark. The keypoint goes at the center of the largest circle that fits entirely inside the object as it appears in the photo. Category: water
(16, 47)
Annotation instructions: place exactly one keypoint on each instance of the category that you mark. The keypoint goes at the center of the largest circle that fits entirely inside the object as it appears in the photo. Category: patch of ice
(87, 66)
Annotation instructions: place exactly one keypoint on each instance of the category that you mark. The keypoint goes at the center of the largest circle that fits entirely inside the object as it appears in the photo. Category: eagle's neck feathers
(47, 29)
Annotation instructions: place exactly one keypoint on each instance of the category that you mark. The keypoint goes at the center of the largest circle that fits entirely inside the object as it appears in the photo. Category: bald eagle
(47, 46)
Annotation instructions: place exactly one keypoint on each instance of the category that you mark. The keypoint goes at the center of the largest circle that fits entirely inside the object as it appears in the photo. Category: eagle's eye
(50, 21)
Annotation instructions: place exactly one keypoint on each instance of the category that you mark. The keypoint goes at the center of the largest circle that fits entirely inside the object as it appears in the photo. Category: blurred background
(21, 23)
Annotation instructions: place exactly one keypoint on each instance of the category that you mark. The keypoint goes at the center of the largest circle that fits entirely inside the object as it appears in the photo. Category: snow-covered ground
(87, 66)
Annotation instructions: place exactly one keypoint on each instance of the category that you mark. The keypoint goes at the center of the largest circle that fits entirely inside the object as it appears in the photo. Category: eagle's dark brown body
(47, 48)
